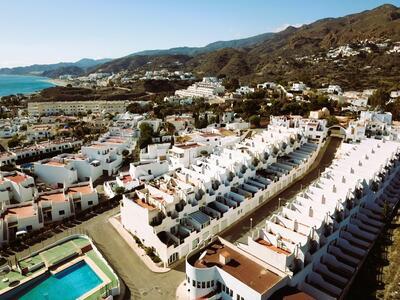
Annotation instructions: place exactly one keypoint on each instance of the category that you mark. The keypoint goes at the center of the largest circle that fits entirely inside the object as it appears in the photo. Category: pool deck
(56, 259)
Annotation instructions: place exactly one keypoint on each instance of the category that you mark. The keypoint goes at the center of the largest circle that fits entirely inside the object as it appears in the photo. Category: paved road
(141, 282)
(239, 231)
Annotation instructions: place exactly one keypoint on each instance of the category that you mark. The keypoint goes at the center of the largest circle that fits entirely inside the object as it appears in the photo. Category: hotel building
(76, 107)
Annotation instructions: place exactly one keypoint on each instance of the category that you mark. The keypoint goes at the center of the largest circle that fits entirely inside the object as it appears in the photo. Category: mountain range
(292, 54)
(51, 70)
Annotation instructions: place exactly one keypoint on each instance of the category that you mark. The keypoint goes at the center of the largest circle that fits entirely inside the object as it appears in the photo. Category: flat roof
(83, 189)
(240, 266)
(55, 163)
(272, 247)
(22, 211)
(187, 146)
(56, 197)
(17, 178)
(143, 204)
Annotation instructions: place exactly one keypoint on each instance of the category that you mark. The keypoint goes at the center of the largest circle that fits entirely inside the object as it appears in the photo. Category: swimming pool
(68, 284)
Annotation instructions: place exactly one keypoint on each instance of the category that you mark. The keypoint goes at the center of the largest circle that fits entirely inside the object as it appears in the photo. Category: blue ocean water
(69, 284)
(14, 84)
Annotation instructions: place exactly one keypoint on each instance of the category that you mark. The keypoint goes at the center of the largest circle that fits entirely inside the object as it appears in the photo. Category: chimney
(334, 189)
(343, 179)
(224, 257)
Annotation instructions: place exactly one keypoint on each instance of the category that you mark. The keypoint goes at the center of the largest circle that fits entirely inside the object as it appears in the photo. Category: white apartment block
(315, 243)
(371, 124)
(109, 157)
(315, 129)
(155, 152)
(76, 107)
(138, 173)
(209, 87)
(35, 210)
(182, 122)
(40, 132)
(184, 208)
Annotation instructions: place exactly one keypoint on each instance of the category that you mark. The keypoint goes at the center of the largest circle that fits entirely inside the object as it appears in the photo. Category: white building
(315, 129)
(334, 89)
(180, 210)
(298, 87)
(315, 243)
(244, 90)
(209, 87)
(76, 107)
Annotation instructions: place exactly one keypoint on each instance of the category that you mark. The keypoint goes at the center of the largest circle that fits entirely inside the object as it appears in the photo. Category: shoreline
(53, 82)
(57, 82)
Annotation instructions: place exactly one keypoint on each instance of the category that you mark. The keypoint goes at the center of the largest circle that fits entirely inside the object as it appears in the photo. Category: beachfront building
(181, 209)
(76, 107)
(209, 87)
(317, 241)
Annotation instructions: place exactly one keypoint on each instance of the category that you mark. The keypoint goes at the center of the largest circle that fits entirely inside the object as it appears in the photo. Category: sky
(51, 31)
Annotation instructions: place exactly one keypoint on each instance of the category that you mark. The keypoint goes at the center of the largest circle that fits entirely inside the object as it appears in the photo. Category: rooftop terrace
(239, 266)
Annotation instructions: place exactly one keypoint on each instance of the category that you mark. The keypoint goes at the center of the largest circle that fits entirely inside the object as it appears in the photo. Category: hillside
(59, 68)
(192, 51)
(298, 54)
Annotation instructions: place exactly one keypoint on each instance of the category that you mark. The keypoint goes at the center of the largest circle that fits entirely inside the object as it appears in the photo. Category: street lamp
(251, 224)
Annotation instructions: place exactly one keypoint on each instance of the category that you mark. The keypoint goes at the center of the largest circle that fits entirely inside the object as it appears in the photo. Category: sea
(15, 84)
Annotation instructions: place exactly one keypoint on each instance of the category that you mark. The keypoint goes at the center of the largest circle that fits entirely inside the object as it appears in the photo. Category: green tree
(255, 120)
(169, 127)
(146, 135)
(332, 120)
(231, 84)
(379, 98)
(119, 190)
(13, 142)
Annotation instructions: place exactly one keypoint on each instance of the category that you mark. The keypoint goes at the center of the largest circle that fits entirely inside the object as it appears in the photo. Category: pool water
(68, 284)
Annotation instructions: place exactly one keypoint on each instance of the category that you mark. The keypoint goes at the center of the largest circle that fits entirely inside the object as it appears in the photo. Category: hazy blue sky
(47, 31)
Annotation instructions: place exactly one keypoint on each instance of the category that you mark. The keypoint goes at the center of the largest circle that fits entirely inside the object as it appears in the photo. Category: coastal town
(208, 172)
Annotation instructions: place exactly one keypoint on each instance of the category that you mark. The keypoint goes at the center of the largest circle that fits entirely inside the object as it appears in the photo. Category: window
(188, 280)
(61, 212)
(212, 283)
(194, 283)
(90, 202)
(198, 284)
(203, 285)
(29, 228)
(208, 284)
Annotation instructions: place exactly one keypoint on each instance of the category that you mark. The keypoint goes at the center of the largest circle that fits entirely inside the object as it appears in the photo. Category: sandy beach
(58, 82)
